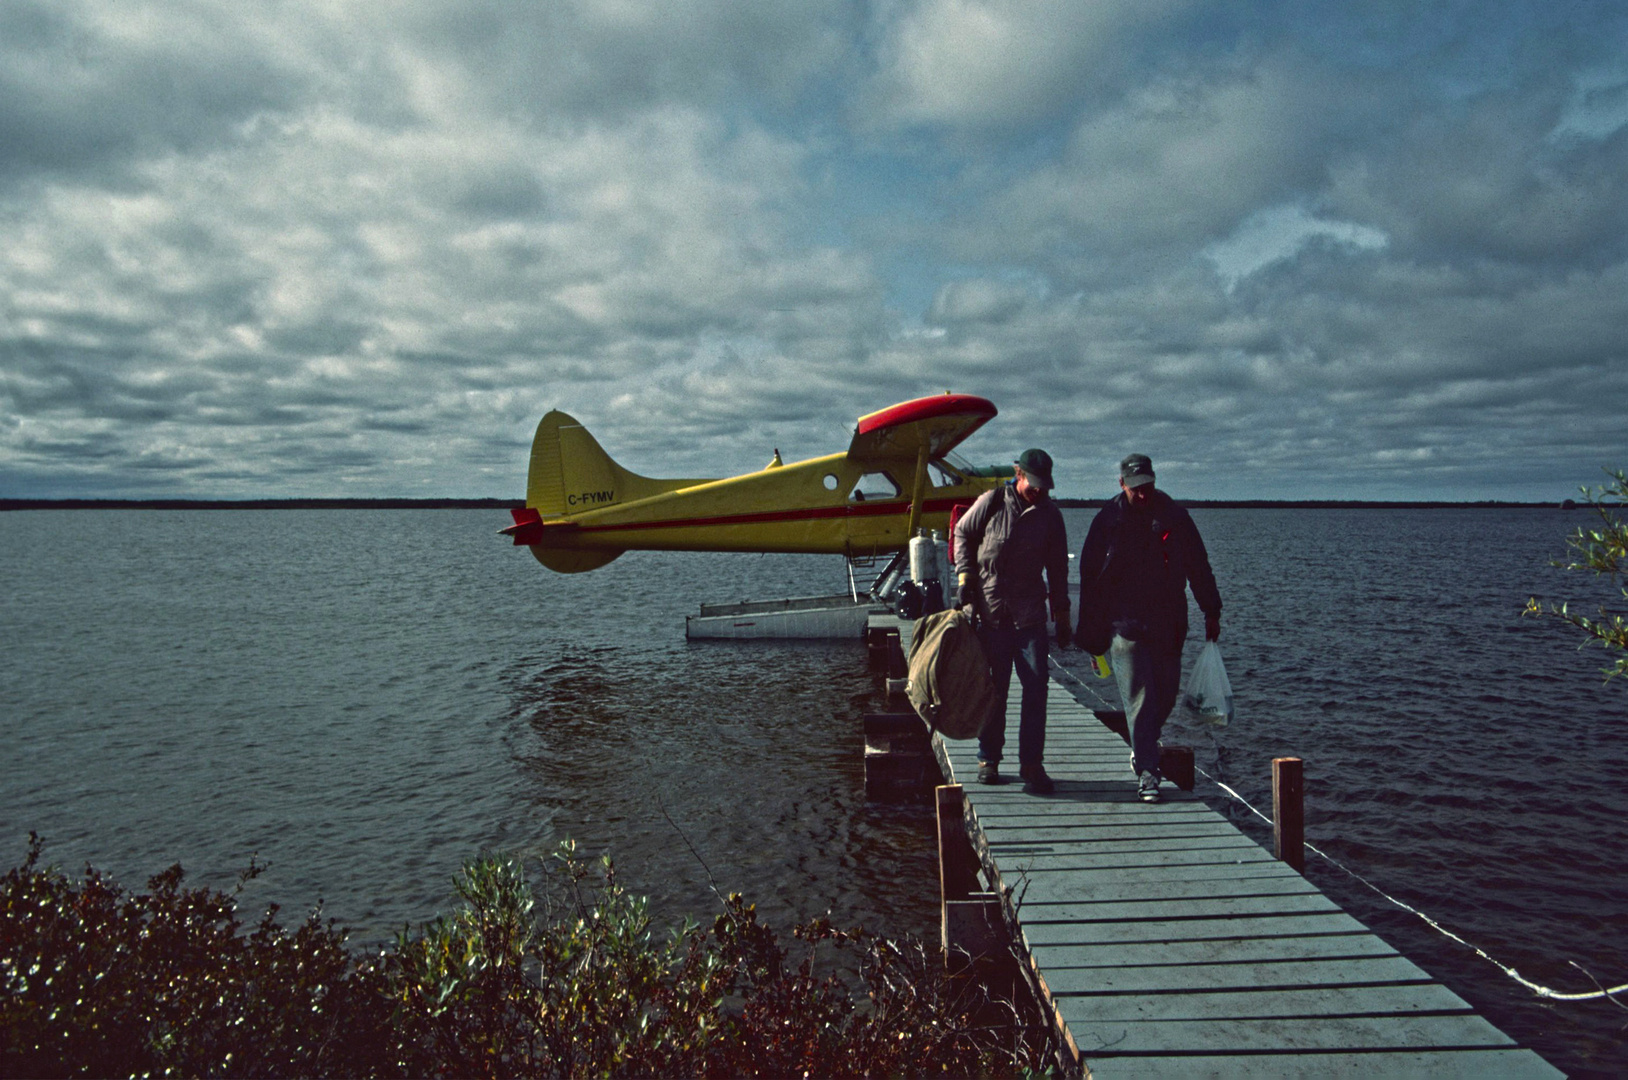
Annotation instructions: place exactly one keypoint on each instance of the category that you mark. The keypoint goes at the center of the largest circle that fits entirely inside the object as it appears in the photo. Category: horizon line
(453, 503)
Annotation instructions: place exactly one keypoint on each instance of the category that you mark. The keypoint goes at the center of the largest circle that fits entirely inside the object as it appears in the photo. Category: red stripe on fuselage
(867, 509)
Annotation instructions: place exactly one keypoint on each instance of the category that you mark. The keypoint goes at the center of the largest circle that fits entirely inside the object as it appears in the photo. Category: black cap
(1036, 465)
(1136, 470)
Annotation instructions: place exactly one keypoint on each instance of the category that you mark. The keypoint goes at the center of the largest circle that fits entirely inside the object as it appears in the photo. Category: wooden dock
(1168, 943)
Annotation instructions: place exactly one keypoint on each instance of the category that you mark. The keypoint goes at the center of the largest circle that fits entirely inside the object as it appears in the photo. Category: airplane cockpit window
(942, 475)
(876, 485)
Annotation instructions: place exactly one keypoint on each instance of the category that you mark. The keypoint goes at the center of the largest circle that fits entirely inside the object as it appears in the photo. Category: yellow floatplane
(897, 476)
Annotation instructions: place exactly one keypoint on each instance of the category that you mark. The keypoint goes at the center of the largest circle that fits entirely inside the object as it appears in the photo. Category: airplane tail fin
(570, 473)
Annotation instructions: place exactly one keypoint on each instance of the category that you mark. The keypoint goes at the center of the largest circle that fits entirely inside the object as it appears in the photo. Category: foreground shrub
(94, 981)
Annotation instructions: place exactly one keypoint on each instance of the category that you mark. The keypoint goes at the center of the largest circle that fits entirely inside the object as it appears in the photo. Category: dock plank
(1466, 1063)
(1100, 932)
(1283, 1004)
(1102, 834)
(1126, 955)
(1168, 942)
(1064, 979)
(1036, 858)
(1393, 1031)
(1162, 908)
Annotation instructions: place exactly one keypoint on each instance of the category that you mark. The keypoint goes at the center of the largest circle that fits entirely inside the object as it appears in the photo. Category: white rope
(1541, 991)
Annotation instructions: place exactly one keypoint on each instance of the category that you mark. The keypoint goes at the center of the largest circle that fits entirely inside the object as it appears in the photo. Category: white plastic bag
(1208, 697)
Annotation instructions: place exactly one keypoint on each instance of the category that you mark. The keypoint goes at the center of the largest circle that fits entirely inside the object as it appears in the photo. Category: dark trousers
(1148, 678)
(1027, 650)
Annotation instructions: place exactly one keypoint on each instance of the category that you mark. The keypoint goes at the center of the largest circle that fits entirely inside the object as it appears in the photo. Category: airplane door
(877, 511)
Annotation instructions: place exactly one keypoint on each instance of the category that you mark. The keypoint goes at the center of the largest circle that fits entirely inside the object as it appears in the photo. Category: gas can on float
(923, 558)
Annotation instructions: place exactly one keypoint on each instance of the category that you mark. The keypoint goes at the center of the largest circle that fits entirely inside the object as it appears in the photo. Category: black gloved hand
(1212, 626)
(1065, 634)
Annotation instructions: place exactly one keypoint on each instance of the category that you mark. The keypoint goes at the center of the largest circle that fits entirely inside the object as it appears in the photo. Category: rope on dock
(1541, 991)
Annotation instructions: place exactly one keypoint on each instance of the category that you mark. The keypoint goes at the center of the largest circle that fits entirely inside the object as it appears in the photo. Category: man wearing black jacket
(1140, 556)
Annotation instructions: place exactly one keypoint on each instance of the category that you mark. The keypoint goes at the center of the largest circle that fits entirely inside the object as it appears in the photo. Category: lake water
(365, 699)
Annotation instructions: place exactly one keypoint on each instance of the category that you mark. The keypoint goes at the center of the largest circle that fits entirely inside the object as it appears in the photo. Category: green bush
(98, 982)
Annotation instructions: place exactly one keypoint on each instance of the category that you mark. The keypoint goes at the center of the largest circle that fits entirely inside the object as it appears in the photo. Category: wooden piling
(1289, 812)
(899, 763)
(972, 927)
(898, 664)
(957, 862)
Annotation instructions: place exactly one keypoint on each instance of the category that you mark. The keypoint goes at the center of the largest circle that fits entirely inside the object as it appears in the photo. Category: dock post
(1289, 811)
(971, 924)
(957, 864)
(899, 762)
(898, 666)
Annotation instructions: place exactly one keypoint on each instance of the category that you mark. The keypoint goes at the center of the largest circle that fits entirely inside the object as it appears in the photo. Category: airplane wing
(900, 432)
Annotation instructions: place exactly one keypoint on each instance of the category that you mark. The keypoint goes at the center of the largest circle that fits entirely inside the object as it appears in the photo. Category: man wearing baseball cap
(1011, 558)
(1141, 554)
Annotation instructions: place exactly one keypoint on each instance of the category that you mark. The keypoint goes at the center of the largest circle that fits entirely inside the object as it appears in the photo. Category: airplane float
(897, 476)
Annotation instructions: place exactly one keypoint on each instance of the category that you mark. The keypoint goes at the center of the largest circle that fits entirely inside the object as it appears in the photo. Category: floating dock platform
(812, 617)
(1165, 942)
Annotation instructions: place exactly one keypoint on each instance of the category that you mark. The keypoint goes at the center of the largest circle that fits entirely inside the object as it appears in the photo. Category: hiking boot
(1148, 788)
(1035, 780)
(989, 772)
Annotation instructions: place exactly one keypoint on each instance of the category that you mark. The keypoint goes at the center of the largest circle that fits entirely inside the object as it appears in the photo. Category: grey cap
(1136, 470)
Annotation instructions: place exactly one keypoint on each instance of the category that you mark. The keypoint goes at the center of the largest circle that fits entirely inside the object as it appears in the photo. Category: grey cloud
(1597, 110)
(601, 59)
(72, 97)
(1482, 180)
(980, 301)
(1456, 327)
(88, 448)
(686, 224)
(106, 385)
(988, 67)
(507, 191)
(1184, 160)
(331, 335)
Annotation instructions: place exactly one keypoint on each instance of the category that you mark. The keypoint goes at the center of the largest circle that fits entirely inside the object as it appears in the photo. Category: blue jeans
(1148, 679)
(1028, 651)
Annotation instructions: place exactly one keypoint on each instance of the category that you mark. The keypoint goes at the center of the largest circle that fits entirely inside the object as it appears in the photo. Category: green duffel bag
(949, 683)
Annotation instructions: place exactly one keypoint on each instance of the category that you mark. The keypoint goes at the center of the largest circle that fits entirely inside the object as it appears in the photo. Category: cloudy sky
(1289, 249)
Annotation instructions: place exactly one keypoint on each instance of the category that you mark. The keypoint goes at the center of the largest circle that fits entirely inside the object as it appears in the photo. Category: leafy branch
(1604, 551)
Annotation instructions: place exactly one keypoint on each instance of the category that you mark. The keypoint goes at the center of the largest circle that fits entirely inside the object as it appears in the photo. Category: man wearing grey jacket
(1011, 559)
